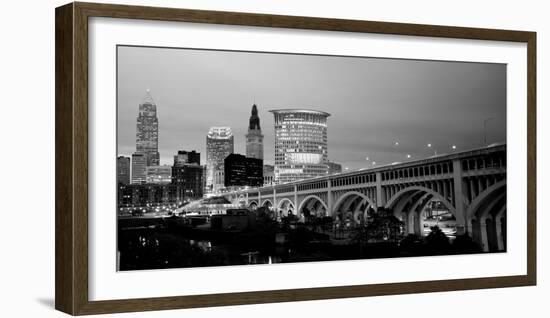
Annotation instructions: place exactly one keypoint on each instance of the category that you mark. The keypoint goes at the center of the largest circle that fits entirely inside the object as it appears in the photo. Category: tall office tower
(219, 145)
(300, 144)
(139, 168)
(254, 137)
(123, 169)
(147, 131)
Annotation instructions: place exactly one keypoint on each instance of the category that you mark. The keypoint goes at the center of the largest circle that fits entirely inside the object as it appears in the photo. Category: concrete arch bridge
(470, 184)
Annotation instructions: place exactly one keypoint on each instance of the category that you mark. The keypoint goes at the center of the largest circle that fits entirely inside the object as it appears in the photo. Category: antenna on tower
(148, 97)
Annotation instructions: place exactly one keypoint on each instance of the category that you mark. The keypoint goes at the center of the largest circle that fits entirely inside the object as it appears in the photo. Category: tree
(437, 242)
(384, 227)
(412, 243)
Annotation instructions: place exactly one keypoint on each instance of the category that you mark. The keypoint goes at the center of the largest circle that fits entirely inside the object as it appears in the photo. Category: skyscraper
(147, 131)
(219, 145)
(254, 137)
(300, 144)
(123, 169)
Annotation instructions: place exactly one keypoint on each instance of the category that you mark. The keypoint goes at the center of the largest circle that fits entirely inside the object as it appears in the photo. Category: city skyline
(444, 108)
(321, 115)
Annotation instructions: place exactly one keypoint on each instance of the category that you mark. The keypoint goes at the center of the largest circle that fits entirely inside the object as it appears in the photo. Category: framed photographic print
(211, 158)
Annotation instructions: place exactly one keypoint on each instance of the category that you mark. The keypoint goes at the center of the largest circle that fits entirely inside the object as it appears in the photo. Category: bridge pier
(380, 199)
(329, 197)
(462, 226)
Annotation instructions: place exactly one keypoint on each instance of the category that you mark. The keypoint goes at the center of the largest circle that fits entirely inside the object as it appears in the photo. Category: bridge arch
(285, 206)
(414, 224)
(307, 201)
(267, 203)
(408, 192)
(253, 205)
(347, 200)
(488, 217)
(408, 204)
(483, 196)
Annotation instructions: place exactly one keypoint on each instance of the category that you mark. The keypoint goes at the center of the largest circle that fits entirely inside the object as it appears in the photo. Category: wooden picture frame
(71, 222)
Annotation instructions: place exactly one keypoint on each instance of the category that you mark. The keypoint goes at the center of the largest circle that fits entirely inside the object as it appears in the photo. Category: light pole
(430, 146)
(485, 121)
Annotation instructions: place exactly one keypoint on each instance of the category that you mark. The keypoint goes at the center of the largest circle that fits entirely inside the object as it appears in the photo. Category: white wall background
(27, 155)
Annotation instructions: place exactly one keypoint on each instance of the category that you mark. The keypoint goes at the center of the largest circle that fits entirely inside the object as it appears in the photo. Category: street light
(453, 147)
(430, 146)
(408, 156)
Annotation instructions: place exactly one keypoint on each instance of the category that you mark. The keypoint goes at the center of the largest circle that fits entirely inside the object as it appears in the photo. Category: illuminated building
(241, 171)
(219, 145)
(254, 137)
(123, 169)
(300, 144)
(269, 176)
(146, 196)
(147, 131)
(159, 174)
(139, 168)
(187, 157)
(188, 179)
(188, 175)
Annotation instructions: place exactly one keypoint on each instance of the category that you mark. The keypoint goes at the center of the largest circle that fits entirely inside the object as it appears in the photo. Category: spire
(148, 98)
(254, 123)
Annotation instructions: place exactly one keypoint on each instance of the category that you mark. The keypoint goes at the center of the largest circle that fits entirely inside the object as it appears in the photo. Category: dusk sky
(373, 102)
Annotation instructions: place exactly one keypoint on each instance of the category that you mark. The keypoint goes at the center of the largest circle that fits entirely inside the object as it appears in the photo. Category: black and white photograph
(242, 158)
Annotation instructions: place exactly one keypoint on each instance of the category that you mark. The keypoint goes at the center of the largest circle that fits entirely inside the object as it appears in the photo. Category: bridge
(471, 184)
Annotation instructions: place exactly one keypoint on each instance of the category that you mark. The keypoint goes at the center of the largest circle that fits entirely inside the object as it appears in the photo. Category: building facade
(300, 144)
(219, 145)
(147, 196)
(188, 180)
(139, 168)
(334, 167)
(188, 157)
(159, 174)
(254, 137)
(147, 132)
(123, 169)
(241, 171)
(269, 175)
